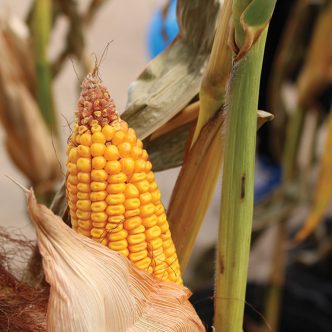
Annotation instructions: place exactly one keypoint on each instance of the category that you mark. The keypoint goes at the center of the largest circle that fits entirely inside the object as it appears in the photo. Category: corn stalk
(250, 20)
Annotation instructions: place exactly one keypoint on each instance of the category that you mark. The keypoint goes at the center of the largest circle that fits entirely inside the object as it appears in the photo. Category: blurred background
(295, 87)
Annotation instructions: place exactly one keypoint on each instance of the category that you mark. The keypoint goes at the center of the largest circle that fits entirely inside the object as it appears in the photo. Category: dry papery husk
(93, 288)
(27, 139)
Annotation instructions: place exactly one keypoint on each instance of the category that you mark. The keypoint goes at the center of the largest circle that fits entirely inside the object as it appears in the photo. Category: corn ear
(111, 189)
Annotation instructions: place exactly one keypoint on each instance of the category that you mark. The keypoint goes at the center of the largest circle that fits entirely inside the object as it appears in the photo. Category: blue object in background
(162, 30)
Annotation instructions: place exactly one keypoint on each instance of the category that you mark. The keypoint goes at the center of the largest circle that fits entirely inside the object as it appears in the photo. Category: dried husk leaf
(94, 288)
(317, 72)
(196, 183)
(27, 139)
(173, 79)
(323, 190)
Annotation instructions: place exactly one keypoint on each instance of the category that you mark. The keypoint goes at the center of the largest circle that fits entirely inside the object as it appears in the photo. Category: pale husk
(27, 139)
(94, 288)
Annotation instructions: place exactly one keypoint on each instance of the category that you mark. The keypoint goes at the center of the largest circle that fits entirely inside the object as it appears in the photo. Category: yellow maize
(111, 190)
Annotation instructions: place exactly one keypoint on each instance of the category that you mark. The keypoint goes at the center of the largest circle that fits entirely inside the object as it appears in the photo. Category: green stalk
(237, 190)
(41, 26)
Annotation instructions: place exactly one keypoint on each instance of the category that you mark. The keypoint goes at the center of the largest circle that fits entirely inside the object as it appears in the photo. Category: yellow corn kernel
(72, 197)
(118, 235)
(83, 187)
(119, 219)
(113, 167)
(85, 232)
(124, 252)
(137, 230)
(118, 245)
(97, 149)
(85, 215)
(142, 186)
(72, 179)
(98, 137)
(117, 178)
(84, 164)
(72, 206)
(98, 233)
(77, 139)
(139, 166)
(98, 186)
(132, 213)
(137, 256)
(155, 196)
(147, 210)
(99, 224)
(136, 177)
(99, 175)
(86, 139)
(136, 238)
(145, 155)
(114, 228)
(84, 224)
(127, 165)
(98, 206)
(130, 139)
(83, 151)
(114, 210)
(153, 186)
(83, 205)
(98, 196)
(150, 176)
(71, 188)
(155, 244)
(164, 227)
(111, 153)
(73, 155)
(118, 137)
(139, 143)
(159, 209)
(138, 247)
(124, 149)
(149, 221)
(83, 195)
(95, 128)
(145, 198)
(131, 191)
(84, 177)
(99, 217)
(173, 262)
(167, 243)
(169, 251)
(152, 233)
(144, 263)
(132, 223)
(72, 168)
(116, 188)
(136, 152)
(132, 203)
(156, 252)
(159, 263)
(108, 132)
(98, 162)
(148, 166)
(114, 199)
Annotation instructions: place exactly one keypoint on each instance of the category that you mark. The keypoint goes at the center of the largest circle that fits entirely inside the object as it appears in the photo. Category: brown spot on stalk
(243, 186)
(221, 264)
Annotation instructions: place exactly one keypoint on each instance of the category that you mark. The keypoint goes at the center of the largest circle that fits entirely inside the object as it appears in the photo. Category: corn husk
(93, 288)
(27, 139)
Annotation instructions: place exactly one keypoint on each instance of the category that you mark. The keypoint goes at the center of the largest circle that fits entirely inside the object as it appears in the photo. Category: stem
(237, 190)
(41, 25)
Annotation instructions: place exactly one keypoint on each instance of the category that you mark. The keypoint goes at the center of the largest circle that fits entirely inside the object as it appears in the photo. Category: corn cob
(111, 190)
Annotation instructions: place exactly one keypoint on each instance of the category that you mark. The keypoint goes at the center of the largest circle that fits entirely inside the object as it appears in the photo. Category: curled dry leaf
(27, 139)
(323, 190)
(94, 288)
